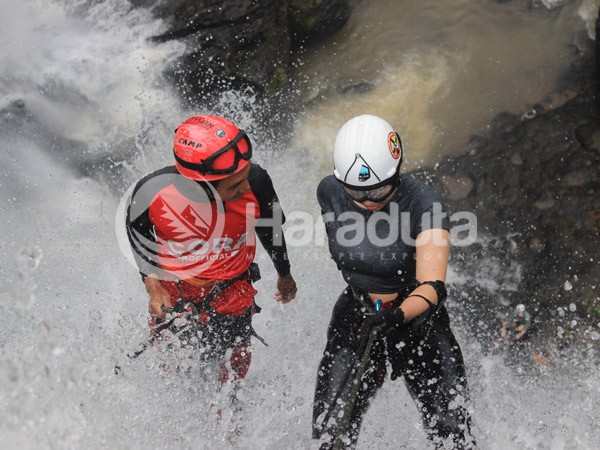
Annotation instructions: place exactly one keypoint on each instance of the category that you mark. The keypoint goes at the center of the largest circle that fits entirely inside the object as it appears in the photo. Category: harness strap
(217, 288)
(362, 297)
(252, 275)
(257, 336)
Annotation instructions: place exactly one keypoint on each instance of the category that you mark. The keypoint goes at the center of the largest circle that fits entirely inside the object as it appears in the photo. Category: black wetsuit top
(425, 353)
(384, 259)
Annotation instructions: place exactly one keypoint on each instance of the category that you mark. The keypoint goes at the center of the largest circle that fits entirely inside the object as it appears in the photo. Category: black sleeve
(427, 211)
(271, 237)
(324, 195)
(140, 229)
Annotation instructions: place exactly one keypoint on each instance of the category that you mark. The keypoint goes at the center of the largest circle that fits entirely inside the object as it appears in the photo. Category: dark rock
(535, 185)
(588, 136)
(356, 87)
(316, 19)
(241, 44)
(598, 58)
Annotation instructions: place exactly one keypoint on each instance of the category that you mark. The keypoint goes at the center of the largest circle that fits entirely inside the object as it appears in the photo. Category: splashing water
(87, 113)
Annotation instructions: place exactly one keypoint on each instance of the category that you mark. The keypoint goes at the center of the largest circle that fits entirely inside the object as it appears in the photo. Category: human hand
(160, 299)
(286, 289)
(385, 319)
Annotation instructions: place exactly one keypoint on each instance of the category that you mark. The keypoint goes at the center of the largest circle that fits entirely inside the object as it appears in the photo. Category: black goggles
(376, 195)
(207, 167)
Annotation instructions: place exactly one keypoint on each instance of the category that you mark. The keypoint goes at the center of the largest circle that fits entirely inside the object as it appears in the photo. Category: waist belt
(216, 287)
(364, 299)
(252, 274)
(198, 282)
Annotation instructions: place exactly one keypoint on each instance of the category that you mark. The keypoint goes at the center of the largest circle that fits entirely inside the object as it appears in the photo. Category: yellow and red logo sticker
(394, 145)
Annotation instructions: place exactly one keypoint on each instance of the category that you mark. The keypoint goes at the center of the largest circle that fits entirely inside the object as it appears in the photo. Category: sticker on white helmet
(364, 174)
(394, 145)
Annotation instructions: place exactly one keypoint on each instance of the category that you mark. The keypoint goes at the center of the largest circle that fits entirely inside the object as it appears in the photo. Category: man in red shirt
(193, 228)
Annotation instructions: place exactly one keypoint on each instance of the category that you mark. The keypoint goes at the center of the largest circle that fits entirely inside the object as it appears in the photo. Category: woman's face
(373, 199)
(376, 206)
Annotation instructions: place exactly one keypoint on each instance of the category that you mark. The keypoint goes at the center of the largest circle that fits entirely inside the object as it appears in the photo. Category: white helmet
(520, 308)
(367, 152)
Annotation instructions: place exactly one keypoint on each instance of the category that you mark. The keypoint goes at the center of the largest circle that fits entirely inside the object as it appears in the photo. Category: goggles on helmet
(376, 194)
(222, 157)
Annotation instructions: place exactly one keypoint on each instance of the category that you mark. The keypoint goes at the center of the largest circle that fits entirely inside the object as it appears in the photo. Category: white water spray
(90, 91)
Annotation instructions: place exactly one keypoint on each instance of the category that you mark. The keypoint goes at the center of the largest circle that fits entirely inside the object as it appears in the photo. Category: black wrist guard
(440, 289)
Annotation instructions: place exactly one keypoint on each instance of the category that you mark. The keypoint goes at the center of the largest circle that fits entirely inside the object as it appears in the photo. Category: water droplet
(567, 286)
(27, 259)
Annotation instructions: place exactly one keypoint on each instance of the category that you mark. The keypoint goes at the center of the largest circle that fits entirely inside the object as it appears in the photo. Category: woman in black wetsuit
(389, 237)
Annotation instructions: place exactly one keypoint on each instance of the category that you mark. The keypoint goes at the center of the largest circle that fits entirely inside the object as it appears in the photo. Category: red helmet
(209, 148)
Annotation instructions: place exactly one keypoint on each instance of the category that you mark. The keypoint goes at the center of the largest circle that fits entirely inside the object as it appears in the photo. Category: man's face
(233, 187)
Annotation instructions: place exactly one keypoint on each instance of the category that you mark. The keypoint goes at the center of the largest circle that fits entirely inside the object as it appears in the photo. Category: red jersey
(202, 240)
(179, 231)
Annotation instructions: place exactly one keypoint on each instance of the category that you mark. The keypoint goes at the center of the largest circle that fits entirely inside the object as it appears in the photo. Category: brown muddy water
(439, 71)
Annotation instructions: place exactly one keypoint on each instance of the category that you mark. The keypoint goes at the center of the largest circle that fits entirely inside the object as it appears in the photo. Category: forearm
(152, 283)
(433, 247)
(414, 305)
